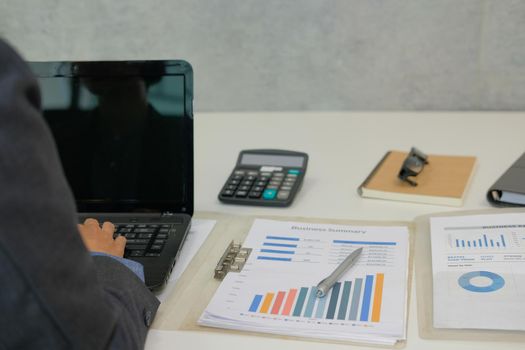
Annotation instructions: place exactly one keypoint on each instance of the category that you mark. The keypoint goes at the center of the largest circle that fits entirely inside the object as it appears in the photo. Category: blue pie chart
(497, 282)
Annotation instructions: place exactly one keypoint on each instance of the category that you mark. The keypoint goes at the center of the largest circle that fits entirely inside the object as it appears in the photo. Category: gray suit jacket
(53, 294)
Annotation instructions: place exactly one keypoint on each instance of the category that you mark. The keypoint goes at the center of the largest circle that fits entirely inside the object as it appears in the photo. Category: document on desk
(276, 290)
(478, 267)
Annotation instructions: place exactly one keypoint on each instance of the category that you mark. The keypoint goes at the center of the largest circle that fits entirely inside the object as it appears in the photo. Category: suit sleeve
(86, 302)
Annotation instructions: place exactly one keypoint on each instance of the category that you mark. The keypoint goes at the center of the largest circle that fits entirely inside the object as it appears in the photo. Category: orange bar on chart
(278, 302)
(378, 297)
(266, 303)
(289, 302)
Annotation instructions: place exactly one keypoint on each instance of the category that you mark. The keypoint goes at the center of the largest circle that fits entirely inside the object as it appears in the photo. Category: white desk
(343, 148)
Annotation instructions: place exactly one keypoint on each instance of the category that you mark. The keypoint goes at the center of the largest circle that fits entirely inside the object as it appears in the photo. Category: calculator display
(277, 160)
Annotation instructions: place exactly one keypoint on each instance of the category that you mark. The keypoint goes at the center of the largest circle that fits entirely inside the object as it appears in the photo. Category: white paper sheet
(199, 231)
(478, 265)
(275, 292)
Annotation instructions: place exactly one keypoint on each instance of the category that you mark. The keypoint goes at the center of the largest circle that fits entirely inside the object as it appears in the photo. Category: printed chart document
(276, 290)
(478, 267)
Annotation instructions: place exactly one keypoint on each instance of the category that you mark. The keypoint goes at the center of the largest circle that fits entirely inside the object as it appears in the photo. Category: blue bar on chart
(273, 258)
(255, 303)
(281, 238)
(345, 298)
(356, 297)
(283, 245)
(365, 307)
(276, 251)
(300, 301)
(333, 301)
(311, 302)
(321, 303)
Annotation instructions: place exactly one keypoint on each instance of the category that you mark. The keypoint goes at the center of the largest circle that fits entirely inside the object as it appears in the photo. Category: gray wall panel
(299, 54)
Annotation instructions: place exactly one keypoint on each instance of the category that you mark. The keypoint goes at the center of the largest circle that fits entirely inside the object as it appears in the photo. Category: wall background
(298, 54)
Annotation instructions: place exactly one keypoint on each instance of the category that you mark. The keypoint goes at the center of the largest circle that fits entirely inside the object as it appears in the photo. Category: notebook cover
(444, 180)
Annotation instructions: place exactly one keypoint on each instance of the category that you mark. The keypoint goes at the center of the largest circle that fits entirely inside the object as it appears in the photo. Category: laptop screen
(124, 132)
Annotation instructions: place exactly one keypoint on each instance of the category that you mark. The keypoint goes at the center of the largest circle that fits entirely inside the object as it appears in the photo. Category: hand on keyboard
(100, 239)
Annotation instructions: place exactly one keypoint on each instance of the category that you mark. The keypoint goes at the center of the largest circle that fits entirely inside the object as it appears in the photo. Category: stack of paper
(276, 293)
(478, 266)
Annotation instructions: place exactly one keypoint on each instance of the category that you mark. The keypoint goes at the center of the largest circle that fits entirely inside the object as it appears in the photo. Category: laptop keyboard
(144, 240)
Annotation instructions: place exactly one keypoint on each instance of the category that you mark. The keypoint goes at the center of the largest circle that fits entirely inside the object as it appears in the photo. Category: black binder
(509, 189)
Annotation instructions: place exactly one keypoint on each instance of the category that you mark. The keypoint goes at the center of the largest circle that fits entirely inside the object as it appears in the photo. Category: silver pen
(324, 286)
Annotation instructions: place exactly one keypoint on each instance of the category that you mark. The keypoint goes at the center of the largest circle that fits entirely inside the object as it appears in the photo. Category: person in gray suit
(62, 285)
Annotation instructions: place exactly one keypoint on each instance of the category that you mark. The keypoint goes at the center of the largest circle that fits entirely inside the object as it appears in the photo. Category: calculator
(266, 177)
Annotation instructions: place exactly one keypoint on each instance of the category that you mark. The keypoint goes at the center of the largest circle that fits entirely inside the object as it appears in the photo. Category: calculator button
(253, 173)
(294, 172)
(283, 195)
(266, 174)
(236, 177)
(260, 183)
(286, 188)
(275, 183)
(278, 174)
(246, 183)
(241, 194)
(231, 187)
(269, 193)
(239, 172)
(234, 182)
(290, 176)
(264, 178)
(257, 188)
(227, 193)
(272, 187)
(288, 183)
(244, 188)
(255, 194)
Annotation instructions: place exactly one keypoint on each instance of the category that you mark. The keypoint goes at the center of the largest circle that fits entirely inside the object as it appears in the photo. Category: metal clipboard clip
(233, 259)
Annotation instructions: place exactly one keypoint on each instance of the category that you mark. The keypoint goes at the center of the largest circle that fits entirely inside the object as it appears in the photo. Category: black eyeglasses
(412, 166)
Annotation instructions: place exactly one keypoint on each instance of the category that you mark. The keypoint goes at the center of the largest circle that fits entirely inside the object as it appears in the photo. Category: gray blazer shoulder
(54, 294)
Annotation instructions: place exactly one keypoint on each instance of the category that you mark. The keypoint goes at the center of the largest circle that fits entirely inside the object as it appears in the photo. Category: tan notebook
(443, 181)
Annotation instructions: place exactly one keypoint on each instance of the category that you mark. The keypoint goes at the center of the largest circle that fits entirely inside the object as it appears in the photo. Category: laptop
(124, 132)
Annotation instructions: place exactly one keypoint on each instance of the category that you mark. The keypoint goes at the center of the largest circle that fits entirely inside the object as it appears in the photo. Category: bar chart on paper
(499, 237)
(484, 243)
(477, 266)
(356, 300)
(276, 291)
